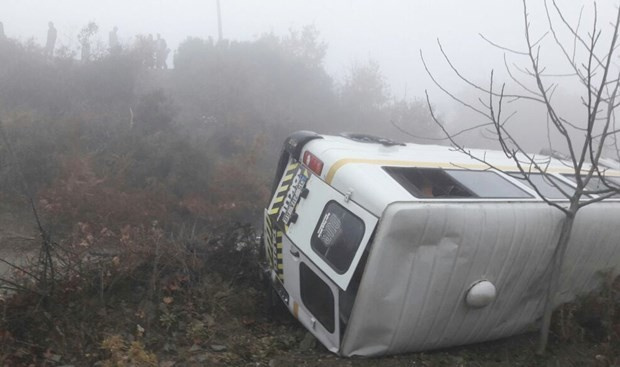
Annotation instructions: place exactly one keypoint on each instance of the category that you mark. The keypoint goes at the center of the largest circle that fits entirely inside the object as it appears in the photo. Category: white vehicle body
(373, 261)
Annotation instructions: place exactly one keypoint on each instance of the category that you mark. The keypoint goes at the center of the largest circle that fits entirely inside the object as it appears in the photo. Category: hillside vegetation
(132, 197)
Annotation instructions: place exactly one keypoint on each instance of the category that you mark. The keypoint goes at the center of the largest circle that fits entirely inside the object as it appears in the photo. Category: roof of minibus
(336, 151)
(357, 167)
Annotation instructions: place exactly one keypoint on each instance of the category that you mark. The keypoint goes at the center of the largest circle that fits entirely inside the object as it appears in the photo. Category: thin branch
(574, 32)
(19, 268)
(516, 80)
(47, 244)
(502, 47)
(404, 131)
(469, 82)
(570, 59)
(455, 98)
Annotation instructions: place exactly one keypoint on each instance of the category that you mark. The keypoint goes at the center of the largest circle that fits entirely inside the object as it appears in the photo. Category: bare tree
(590, 55)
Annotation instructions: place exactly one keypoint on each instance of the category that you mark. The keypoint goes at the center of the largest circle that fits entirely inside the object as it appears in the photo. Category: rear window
(337, 236)
(448, 184)
(317, 297)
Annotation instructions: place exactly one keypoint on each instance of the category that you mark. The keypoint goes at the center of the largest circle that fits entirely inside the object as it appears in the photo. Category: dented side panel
(425, 257)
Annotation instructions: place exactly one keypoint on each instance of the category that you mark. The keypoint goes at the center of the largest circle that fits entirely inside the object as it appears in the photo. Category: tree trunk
(554, 282)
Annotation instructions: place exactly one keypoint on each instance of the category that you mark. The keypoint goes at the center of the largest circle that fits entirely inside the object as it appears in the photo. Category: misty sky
(390, 32)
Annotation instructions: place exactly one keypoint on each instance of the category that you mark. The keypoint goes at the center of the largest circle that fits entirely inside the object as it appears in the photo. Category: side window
(337, 236)
(596, 184)
(487, 184)
(428, 182)
(448, 184)
(546, 188)
(317, 297)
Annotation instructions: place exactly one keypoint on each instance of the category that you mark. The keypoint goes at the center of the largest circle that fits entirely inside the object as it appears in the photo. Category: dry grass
(198, 302)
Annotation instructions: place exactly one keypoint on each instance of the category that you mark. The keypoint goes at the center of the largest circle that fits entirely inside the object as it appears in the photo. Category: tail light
(312, 162)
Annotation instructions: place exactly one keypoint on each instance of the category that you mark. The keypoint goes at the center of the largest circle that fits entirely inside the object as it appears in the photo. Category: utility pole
(219, 22)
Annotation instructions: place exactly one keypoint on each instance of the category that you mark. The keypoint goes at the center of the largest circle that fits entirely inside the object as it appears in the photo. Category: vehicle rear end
(314, 239)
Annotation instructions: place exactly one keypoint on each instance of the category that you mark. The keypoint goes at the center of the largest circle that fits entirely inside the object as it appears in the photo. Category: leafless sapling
(591, 57)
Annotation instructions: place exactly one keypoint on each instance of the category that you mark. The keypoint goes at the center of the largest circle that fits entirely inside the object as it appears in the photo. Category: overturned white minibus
(379, 247)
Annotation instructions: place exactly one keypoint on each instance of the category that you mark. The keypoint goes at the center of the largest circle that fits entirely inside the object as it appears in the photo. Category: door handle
(294, 252)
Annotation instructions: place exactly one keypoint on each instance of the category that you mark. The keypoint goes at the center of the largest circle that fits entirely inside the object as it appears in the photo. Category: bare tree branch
(502, 47)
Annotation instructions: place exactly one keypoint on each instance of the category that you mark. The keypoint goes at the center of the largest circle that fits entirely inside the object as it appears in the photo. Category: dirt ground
(294, 346)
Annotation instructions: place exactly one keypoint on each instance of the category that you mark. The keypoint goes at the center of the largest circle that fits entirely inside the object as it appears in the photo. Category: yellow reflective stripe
(278, 257)
(273, 211)
(278, 200)
(290, 171)
(283, 188)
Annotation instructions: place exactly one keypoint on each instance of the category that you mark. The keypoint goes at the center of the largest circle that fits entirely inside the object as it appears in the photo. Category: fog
(391, 32)
(362, 59)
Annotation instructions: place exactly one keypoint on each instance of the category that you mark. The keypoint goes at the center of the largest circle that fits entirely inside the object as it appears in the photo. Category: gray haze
(391, 32)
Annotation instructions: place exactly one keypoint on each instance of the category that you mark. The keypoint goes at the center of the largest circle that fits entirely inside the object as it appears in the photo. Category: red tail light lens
(312, 162)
